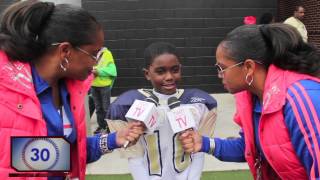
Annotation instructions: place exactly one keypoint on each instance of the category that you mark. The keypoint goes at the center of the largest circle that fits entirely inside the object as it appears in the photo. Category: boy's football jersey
(164, 157)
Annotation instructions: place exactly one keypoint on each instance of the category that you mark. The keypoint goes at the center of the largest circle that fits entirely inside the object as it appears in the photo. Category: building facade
(195, 27)
(311, 19)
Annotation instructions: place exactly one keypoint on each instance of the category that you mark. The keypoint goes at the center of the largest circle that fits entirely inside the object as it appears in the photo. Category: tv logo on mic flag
(145, 112)
(181, 119)
(38, 154)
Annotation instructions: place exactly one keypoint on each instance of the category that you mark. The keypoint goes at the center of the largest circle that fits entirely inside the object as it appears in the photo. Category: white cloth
(299, 26)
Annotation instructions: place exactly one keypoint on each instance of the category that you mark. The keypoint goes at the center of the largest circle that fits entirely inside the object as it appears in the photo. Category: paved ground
(225, 127)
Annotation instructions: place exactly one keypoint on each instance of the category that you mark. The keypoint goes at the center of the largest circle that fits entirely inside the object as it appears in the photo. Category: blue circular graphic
(40, 154)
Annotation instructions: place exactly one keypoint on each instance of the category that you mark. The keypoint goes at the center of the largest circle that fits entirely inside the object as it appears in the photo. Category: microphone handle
(125, 145)
(189, 129)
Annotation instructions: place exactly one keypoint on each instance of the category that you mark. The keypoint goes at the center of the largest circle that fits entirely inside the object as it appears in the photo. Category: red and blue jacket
(284, 129)
(21, 113)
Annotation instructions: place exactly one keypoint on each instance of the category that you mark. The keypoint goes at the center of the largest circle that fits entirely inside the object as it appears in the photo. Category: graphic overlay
(40, 154)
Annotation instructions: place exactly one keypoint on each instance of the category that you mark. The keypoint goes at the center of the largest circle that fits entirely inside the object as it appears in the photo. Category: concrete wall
(75, 2)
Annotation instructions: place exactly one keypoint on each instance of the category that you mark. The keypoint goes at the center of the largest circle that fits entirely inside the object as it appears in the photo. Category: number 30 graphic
(40, 154)
(44, 154)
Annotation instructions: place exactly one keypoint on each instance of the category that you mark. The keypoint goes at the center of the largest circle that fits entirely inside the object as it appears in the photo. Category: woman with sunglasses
(274, 75)
(47, 53)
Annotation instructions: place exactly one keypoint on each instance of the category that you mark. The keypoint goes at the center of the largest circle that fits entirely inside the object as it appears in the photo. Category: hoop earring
(67, 64)
(247, 81)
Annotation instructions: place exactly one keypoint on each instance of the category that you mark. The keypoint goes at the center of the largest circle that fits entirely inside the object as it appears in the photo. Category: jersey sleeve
(207, 107)
(116, 120)
(119, 108)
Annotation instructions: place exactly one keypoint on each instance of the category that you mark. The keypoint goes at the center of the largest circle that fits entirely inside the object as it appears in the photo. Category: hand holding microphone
(129, 134)
(182, 121)
(191, 141)
(145, 112)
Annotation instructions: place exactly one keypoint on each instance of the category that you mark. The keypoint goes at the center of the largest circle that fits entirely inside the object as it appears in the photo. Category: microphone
(153, 99)
(144, 111)
(173, 102)
(181, 118)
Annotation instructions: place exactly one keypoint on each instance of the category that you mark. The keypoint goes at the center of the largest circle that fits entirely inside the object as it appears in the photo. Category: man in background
(296, 21)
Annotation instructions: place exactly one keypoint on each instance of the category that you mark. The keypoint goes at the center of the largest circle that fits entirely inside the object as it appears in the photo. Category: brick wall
(194, 26)
(311, 19)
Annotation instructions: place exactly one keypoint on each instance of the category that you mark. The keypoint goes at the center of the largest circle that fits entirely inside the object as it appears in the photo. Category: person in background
(266, 18)
(91, 103)
(275, 77)
(161, 155)
(104, 73)
(47, 53)
(296, 22)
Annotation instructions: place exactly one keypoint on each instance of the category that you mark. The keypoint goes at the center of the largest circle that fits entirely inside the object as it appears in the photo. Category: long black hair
(28, 28)
(277, 44)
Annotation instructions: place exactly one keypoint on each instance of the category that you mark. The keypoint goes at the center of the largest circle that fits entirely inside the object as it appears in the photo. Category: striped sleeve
(302, 112)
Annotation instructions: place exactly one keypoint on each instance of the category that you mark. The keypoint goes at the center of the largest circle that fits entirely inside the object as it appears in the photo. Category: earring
(67, 64)
(247, 81)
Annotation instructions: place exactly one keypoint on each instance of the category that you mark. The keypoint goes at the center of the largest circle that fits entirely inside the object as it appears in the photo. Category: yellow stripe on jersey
(153, 150)
(181, 159)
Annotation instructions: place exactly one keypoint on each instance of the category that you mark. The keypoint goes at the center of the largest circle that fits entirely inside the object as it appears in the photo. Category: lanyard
(258, 165)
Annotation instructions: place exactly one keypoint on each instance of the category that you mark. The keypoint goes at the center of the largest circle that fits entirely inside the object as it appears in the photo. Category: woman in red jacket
(274, 75)
(47, 53)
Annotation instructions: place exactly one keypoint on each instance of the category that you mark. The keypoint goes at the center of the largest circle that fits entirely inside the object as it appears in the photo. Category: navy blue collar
(40, 84)
(257, 105)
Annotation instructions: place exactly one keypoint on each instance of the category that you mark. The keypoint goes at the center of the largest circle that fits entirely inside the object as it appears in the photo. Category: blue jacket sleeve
(301, 113)
(93, 148)
(230, 150)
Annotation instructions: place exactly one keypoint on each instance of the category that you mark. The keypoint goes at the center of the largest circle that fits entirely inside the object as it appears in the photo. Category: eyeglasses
(221, 70)
(95, 58)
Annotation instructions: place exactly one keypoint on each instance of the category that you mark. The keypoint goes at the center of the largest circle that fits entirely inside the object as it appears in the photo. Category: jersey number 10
(180, 159)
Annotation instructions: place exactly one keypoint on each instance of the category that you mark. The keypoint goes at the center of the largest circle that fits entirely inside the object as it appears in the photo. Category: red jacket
(21, 114)
(273, 134)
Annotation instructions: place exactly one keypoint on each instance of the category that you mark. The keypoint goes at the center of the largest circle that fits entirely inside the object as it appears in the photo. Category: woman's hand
(191, 141)
(131, 133)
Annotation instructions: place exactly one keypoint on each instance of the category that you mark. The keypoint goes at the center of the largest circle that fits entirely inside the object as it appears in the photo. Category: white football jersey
(164, 157)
